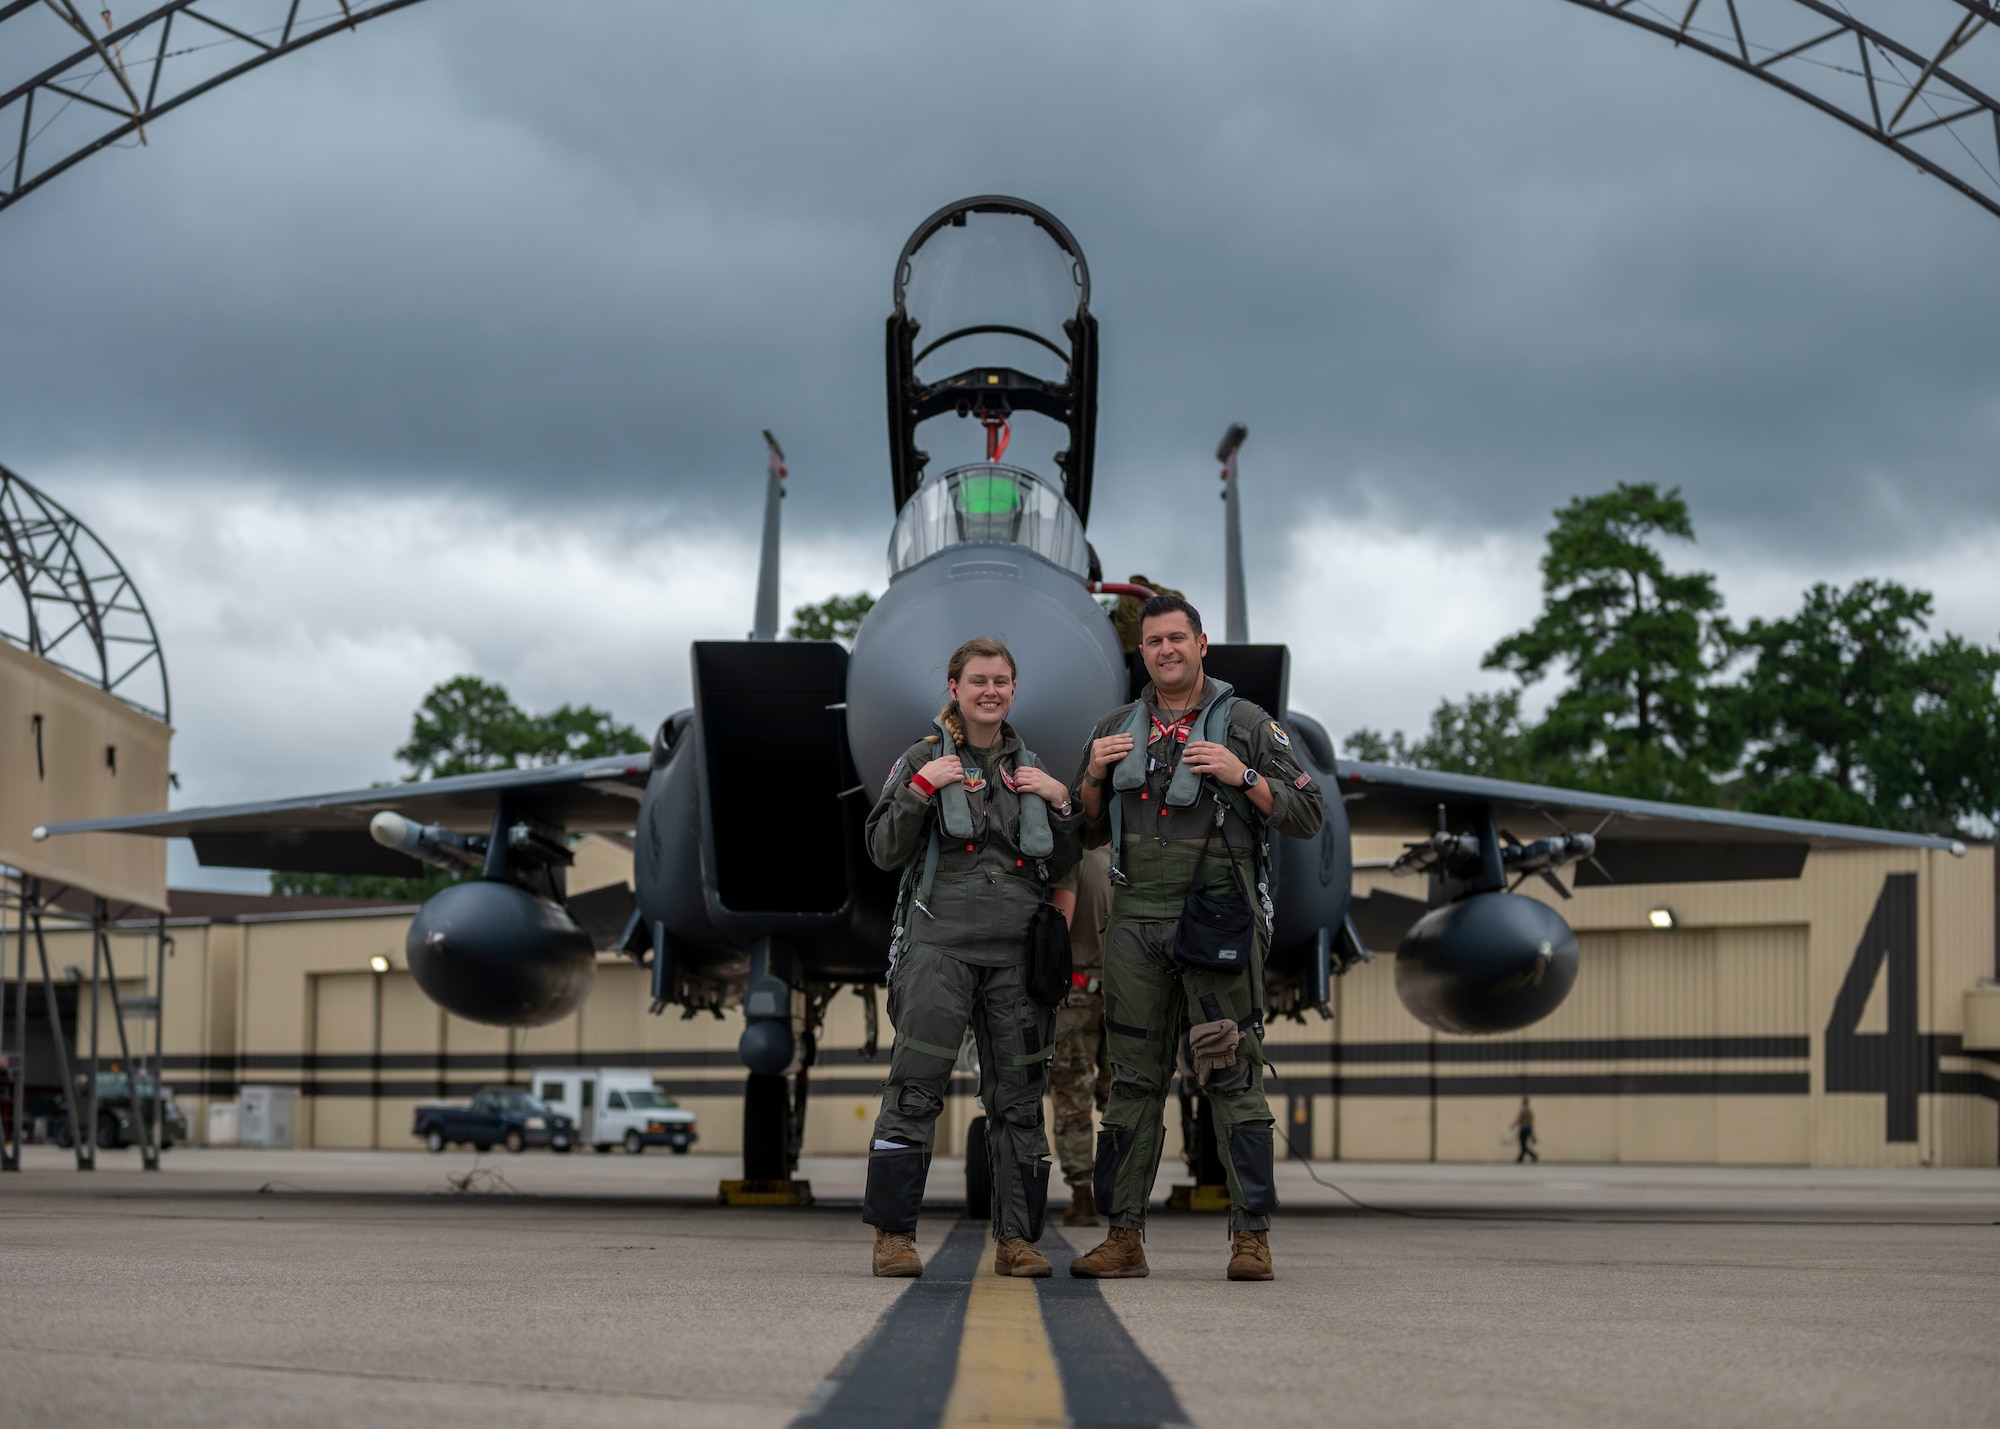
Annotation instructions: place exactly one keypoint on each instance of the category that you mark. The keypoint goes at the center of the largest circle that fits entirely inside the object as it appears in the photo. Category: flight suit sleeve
(897, 823)
(1093, 833)
(1068, 835)
(1298, 805)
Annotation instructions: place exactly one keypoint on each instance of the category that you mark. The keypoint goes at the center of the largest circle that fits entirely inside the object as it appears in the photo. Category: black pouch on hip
(1049, 958)
(1217, 930)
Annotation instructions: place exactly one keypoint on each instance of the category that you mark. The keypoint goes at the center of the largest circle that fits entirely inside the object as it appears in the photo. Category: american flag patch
(1302, 781)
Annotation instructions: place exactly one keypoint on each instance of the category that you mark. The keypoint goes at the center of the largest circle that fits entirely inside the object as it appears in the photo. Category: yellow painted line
(1007, 1376)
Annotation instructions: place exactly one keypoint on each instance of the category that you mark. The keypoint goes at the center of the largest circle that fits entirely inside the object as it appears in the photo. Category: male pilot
(1189, 778)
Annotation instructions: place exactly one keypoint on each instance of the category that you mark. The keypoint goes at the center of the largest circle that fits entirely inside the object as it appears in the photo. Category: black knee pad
(1250, 1152)
(1034, 1179)
(1113, 1144)
(895, 1191)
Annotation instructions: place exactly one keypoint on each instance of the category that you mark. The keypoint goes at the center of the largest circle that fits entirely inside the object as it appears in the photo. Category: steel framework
(77, 1072)
(1921, 102)
(65, 597)
(74, 89)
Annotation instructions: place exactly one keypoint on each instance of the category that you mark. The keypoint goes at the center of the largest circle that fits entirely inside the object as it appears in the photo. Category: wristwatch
(1250, 778)
(1063, 809)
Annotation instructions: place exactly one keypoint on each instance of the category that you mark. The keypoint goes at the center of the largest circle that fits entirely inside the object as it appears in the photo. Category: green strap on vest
(1185, 787)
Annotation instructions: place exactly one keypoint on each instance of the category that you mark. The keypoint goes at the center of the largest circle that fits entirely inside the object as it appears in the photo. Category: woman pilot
(980, 832)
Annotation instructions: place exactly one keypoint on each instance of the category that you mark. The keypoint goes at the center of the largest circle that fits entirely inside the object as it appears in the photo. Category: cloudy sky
(444, 346)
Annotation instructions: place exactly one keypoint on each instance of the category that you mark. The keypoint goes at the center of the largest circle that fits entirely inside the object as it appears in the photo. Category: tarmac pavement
(307, 1288)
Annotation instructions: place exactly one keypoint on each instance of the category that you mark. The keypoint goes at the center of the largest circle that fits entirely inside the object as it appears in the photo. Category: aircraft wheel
(635, 1144)
(978, 1172)
(515, 1143)
(434, 1141)
(766, 1127)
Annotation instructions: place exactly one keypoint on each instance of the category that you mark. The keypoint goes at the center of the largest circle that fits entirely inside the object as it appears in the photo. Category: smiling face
(1172, 652)
(984, 690)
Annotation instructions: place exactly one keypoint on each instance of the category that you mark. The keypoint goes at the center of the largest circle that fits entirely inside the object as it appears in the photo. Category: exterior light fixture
(379, 963)
(1661, 918)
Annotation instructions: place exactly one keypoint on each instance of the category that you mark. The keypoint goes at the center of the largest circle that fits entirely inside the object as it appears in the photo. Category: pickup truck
(503, 1116)
(117, 1118)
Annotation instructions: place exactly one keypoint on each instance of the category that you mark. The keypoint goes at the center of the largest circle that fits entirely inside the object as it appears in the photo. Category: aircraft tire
(766, 1127)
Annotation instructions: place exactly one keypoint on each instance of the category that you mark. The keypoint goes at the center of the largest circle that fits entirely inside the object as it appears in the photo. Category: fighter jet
(752, 886)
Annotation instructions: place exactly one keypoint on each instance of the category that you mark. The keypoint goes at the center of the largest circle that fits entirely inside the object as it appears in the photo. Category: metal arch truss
(1916, 100)
(93, 87)
(65, 597)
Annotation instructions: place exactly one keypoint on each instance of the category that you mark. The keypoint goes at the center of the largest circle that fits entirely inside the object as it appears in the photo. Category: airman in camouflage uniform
(1080, 1075)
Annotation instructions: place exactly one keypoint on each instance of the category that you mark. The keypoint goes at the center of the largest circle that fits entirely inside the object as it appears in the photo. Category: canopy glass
(987, 502)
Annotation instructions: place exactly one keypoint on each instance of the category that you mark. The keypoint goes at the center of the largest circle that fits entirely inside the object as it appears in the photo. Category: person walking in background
(1080, 1075)
(1524, 1130)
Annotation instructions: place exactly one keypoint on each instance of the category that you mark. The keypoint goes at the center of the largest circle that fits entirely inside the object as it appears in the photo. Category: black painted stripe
(902, 1375)
(1574, 1049)
(1625, 1084)
(1108, 1381)
(1580, 1049)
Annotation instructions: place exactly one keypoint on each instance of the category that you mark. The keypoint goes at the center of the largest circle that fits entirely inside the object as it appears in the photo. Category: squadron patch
(894, 770)
(1284, 740)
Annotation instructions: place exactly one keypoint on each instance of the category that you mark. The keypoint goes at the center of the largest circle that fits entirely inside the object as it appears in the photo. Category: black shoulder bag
(1050, 964)
(1217, 931)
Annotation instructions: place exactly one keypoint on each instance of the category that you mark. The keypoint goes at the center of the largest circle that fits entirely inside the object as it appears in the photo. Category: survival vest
(953, 816)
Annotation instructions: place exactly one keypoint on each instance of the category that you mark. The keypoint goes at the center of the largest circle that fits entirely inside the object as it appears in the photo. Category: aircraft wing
(328, 833)
(1638, 840)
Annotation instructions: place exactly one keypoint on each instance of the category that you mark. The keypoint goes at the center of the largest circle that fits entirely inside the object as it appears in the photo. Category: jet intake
(494, 953)
(1493, 962)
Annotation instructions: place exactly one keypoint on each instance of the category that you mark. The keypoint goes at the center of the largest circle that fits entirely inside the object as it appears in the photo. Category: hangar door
(1715, 1047)
(343, 1053)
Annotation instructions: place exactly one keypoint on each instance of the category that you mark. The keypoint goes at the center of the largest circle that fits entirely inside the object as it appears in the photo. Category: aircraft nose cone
(1071, 671)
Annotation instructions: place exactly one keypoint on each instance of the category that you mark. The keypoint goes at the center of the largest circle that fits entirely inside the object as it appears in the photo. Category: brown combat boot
(1250, 1255)
(1082, 1207)
(896, 1255)
(1014, 1256)
(1121, 1257)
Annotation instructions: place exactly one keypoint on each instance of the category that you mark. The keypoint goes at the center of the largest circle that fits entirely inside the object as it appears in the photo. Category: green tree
(1483, 734)
(1636, 641)
(1845, 713)
(837, 617)
(471, 726)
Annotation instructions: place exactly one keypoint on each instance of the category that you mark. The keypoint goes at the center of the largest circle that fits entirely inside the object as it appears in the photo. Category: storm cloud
(510, 273)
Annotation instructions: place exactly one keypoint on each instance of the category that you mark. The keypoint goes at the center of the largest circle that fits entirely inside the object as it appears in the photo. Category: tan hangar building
(1848, 1017)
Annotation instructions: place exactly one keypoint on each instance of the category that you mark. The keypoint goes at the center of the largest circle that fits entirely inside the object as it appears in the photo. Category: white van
(615, 1106)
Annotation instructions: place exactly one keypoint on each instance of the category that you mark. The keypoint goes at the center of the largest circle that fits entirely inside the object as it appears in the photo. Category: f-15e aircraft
(752, 886)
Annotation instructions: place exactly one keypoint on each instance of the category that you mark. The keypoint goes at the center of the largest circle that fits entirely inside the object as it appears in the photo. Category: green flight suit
(966, 965)
(1149, 999)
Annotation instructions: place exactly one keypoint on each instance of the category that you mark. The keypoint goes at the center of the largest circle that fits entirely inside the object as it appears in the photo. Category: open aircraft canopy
(992, 318)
